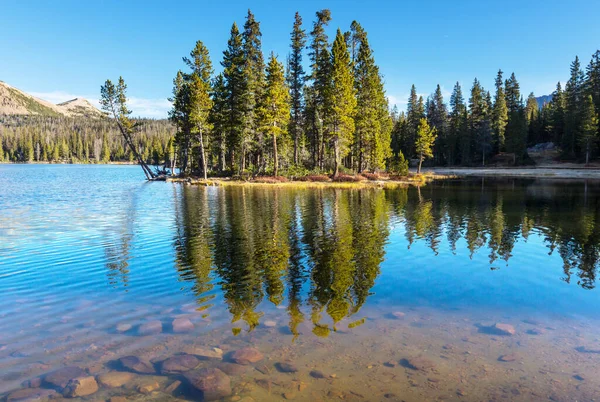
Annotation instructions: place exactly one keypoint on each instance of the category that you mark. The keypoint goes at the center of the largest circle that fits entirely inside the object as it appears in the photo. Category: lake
(478, 289)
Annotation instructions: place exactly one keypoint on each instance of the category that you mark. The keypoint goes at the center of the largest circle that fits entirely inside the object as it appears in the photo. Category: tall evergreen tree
(593, 81)
(236, 86)
(219, 117)
(458, 124)
(254, 78)
(500, 113)
(516, 128)
(479, 124)
(320, 77)
(199, 82)
(341, 101)
(296, 82)
(574, 99)
(589, 127)
(275, 107)
(437, 115)
(557, 115)
(415, 111)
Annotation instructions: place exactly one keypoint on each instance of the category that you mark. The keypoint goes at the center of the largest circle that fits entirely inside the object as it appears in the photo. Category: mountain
(542, 100)
(16, 102)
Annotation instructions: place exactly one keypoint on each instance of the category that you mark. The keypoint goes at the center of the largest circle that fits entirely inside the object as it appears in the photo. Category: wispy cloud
(141, 107)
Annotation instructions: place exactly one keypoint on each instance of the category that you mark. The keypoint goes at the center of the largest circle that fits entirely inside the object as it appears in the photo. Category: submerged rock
(211, 382)
(419, 363)
(270, 324)
(503, 329)
(148, 386)
(31, 395)
(247, 356)
(317, 374)
(398, 314)
(60, 378)
(137, 365)
(82, 386)
(233, 369)
(286, 367)
(205, 353)
(123, 327)
(179, 364)
(150, 328)
(114, 379)
(508, 358)
(181, 325)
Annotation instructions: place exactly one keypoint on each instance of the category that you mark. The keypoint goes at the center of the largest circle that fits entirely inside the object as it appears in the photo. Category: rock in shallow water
(419, 363)
(123, 327)
(82, 386)
(137, 365)
(115, 379)
(508, 358)
(31, 395)
(204, 353)
(211, 382)
(60, 378)
(181, 325)
(503, 329)
(246, 356)
(150, 328)
(179, 364)
(286, 367)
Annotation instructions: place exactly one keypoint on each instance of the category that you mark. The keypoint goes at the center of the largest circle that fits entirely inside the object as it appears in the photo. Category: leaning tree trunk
(420, 162)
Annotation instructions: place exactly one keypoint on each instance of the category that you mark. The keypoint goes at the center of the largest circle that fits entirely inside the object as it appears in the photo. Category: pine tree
(415, 111)
(437, 116)
(532, 114)
(372, 126)
(500, 113)
(574, 99)
(593, 81)
(479, 125)
(235, 85)
(254, 80)
(589, 127)
(296, 82)
(341, 102)
(275, 107)
(199, 82)
(424, 144)
(219, 117)
(320, 76)
(458, 125)
(557, 115)
(516, 128)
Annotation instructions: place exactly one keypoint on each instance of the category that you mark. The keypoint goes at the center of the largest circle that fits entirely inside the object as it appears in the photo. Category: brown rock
(33, 383)
(317, 374)
(82, 386)
(117, 399)
(232, 368)
(419, 363)
(148, 387)
(205, 353)
(137, 365)
(181, 325)
(115, 379)
(211, 382)
(172, 387)
(289, 395)
(286, 367)
(247, 356)
(503, 329)
(31, 395)
(179, 364)
(60, 378)
(508, 358)
(150, 328)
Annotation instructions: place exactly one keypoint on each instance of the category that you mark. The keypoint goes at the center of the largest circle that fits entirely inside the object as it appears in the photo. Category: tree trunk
(336, 148)
(420, 162)
(203, 156)
(275, 156)
(295, 143)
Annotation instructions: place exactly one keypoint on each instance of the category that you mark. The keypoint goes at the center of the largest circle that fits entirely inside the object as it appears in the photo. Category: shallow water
(390, 294)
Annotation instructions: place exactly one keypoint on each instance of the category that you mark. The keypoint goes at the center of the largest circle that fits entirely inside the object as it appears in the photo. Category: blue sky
(61, 49)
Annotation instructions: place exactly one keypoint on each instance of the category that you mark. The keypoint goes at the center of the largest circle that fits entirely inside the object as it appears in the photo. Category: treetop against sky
(61, 50)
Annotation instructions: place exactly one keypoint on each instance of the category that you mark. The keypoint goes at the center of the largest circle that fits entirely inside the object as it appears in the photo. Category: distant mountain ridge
(13, 101)
(542, 100)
